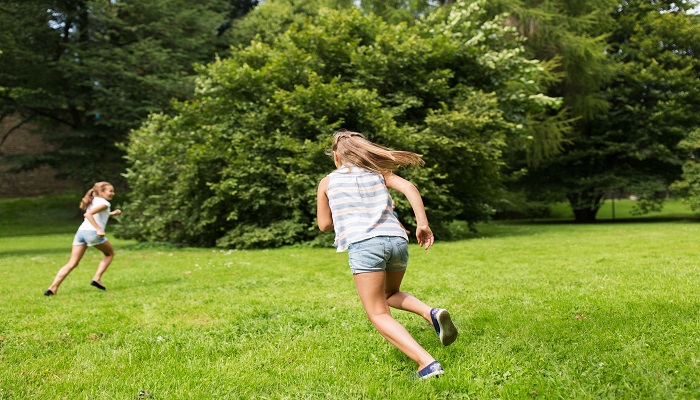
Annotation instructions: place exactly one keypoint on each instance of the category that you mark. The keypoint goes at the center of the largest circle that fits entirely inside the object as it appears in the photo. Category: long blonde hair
(97, 188)
(353, 148)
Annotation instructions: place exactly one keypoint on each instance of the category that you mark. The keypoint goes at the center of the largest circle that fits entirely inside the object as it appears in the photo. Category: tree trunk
(585, 215)
(585, 204)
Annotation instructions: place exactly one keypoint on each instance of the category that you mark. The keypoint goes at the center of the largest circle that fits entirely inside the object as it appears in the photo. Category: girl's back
(361, 206)
(354, 200)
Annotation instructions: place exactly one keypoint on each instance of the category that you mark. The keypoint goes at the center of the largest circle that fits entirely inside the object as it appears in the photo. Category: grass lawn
(607, 310)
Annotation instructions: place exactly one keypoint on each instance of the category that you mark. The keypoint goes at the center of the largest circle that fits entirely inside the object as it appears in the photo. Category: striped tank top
(361, 207)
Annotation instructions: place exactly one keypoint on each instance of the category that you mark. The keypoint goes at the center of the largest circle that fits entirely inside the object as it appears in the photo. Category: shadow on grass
(36, 231)
(35, 252)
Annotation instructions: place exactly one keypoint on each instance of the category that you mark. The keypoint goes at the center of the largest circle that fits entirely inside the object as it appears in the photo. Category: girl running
(97, 209)
(354, 201)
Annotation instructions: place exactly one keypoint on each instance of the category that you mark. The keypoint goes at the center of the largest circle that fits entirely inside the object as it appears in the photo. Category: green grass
(546, 311)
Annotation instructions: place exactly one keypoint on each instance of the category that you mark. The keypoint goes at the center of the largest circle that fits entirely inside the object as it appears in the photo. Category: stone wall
(41, 181)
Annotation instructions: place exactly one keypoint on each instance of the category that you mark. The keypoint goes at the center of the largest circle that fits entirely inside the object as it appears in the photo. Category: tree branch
(53, 117)
(38, 112)
(3, 10)
(14, 128)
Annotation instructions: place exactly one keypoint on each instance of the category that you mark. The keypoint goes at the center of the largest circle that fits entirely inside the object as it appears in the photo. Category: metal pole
(613, 205)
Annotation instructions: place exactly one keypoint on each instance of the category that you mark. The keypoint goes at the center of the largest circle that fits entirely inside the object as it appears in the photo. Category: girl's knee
(373, 318)
(71, 265)
(377, 315)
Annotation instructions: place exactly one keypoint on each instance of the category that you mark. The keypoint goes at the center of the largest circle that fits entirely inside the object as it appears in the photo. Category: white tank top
(361, 207)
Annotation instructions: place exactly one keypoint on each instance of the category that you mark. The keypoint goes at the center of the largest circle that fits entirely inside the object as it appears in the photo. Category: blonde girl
(354, 201)
(97, 210)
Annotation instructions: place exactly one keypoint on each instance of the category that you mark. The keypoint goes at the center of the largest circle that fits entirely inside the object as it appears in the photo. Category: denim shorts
(381, 253)
(89, 238)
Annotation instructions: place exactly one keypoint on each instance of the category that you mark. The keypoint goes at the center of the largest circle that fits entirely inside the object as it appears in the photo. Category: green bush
(238, 166)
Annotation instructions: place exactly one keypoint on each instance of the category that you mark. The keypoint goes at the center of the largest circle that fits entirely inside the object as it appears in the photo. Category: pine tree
(89, 71)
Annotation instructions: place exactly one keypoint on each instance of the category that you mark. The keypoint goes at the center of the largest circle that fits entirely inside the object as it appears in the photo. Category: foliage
(88, 71)
(266, 22)
(515, 205)
(238, 166)
(689, 184)
(276, 16)
(572, 34)
(565, 34)
(396, 11)
(652, 98)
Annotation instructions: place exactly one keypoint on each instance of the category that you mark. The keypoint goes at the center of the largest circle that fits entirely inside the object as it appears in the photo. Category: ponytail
(97, 189)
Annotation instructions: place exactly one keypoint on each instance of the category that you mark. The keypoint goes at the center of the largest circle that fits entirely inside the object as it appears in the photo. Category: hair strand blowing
(353, 148)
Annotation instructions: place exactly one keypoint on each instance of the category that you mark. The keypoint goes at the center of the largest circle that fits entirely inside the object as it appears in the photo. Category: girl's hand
(116, 212)
(101, 233)
(425, 236)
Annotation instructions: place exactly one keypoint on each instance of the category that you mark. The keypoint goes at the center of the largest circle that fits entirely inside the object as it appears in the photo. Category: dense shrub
(238, 166)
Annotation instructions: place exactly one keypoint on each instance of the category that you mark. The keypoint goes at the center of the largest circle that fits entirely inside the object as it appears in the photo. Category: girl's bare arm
(423, 232)
(90, 215)
(323, 209)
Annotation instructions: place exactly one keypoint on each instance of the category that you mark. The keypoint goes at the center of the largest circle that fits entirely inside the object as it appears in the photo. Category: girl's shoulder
(352, 170)
(97, 201)
(353, 175)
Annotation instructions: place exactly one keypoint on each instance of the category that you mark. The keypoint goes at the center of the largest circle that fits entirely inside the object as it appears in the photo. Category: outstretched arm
(323, 209)
(423, 232)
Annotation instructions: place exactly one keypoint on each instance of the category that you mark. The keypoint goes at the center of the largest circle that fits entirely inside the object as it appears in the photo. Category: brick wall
(37, 182)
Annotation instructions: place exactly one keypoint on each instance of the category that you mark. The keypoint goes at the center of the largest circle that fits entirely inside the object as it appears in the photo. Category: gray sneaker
(432, 370)
(444, 327)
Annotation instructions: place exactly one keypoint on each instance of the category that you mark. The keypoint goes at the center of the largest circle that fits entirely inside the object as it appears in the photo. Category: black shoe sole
(97, 285)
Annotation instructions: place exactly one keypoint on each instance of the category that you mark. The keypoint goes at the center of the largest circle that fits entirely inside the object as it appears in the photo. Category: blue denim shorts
(381, 253)
(89, 238)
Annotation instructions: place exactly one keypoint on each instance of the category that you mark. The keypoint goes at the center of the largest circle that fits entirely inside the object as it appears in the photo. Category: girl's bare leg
(76, 255)
(371, 288)
(108, 251)
(403, 300)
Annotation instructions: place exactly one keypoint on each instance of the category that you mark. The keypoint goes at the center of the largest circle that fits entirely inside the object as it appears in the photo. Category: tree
(238, 165)
(236, 11)
(621, 89)
(648, 107)
(689, 182)
(88, 71)
(688, 31)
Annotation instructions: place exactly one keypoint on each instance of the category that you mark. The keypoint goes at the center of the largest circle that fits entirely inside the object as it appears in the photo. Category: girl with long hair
(97, 210)
(355, 202)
